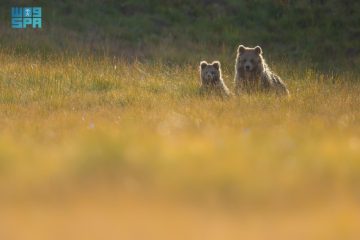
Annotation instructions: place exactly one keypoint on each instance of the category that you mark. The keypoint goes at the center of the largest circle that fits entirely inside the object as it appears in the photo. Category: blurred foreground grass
(96, 148)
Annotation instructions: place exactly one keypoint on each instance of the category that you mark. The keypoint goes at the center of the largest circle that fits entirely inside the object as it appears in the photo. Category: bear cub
(211, 78)
(253, 74)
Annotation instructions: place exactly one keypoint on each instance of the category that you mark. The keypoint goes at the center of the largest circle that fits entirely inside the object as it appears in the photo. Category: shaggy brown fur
(211, 79)
(253, 74)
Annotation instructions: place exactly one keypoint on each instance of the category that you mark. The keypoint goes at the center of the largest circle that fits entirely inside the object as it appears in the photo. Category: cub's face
(210, 73)
(249, 59)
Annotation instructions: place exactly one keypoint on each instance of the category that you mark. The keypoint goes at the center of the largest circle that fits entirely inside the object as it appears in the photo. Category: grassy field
(105, 135)
(103, 148)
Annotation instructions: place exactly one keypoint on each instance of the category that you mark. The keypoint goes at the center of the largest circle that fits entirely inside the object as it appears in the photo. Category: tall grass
(81, 133)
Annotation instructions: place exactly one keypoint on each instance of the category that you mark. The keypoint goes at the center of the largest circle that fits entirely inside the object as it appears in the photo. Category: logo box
(26, 17)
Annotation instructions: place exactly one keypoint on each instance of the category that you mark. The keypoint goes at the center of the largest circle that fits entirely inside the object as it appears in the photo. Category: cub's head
(249, 59)
(210, 73)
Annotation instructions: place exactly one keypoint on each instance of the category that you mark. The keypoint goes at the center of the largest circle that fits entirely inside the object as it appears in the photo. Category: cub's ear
(241, 49)
(258, 50)
(203, 64)
(216, 64)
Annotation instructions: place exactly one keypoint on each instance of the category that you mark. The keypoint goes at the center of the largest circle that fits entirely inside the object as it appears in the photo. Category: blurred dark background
(323, 32)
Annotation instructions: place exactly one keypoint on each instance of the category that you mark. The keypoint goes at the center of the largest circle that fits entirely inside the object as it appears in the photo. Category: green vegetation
(321, 32)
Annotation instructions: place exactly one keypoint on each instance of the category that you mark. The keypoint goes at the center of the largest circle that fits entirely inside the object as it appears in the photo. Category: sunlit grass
(77, 122)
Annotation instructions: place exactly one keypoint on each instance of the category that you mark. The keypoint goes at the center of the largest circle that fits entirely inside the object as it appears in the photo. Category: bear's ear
(258, 50)
(203, 64)
(241, 49)
(216, 64)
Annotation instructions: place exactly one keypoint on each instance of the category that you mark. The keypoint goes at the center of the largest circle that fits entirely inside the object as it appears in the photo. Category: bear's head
(249, 59)
(210, 73)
